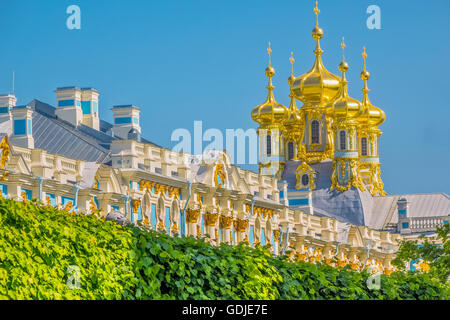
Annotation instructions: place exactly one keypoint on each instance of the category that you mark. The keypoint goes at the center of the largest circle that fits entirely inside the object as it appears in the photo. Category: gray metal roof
(361, 208)
(420, 205)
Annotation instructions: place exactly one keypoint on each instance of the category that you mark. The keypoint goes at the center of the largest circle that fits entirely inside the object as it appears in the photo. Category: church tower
(270, 116)
(368, 138)
(330, 136)
(345, 111)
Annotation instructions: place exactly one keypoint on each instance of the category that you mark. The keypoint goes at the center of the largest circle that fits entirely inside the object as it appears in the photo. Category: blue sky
(182, 61)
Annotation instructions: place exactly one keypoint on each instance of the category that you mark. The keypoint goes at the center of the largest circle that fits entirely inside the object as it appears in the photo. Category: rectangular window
(135, 120)
(122, 120)
(342, 140)
(52, 199)
(94, 106)
(405, 225)
(29, 193)
(20, 127)
(29, 127)
(167, 219)
(251, 237)
(269, 145)
(299, 202)
(86, 107)
(290, 150)
(66, 103)
(4, 190)
(66, 200)
(153, 219)
(402, 211)
(4, 109)
(364, 146)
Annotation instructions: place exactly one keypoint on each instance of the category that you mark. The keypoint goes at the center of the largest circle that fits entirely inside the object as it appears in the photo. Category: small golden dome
(345, 107)
(371, 115)
(270, 112)
(317, 86)
(293, 115)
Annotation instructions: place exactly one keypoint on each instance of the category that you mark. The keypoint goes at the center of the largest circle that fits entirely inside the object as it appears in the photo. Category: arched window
(342, 140)
(315, 131)
(269, 145)
(305, 179)
(290, 150)
(364, 146)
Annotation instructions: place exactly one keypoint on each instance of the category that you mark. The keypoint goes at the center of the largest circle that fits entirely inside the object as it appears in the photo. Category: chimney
(126, 122)
(68, 102)
(7, 101)
(403, 216)
(89, 108)
(22, 127)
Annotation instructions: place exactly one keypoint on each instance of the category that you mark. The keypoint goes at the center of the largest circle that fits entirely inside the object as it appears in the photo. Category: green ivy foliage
(38, 244)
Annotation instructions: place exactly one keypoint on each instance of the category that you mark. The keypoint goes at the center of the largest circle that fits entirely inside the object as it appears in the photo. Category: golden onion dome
(345, 107)
(270, 112)
(371, 116)
(318, 86)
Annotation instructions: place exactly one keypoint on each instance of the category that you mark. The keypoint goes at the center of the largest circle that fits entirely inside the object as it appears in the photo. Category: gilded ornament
(192, 215)
(211, 219)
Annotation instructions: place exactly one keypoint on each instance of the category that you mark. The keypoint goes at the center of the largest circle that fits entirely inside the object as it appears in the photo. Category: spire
(365, 75)
(343, 67)
(292, 104)
(270, 72)
(317, 32)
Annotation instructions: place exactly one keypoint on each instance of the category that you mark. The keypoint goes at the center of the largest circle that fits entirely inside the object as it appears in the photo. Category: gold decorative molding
(211, 219)
(219, 176)
(192, 215)
(241, 225)
(136, 204)
(226, 222)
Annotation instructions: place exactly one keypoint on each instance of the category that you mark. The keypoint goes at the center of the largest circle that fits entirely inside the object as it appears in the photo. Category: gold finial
(269, 51)
(364, 55)
(343, 46)
(317, 32)
(292, 61)
(343, 66)
(291, 78)
(365, 75)
(317, 12)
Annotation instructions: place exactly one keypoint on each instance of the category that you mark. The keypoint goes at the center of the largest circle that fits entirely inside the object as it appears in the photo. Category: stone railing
(426, 224)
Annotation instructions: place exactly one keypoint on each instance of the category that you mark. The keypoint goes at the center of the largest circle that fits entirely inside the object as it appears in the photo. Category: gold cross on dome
(364, 55)
(317, 12)
(343, 46)
(292, 60)
(269, 51)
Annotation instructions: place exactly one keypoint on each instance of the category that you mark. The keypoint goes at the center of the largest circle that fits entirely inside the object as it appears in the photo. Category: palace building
(327, 151)
(318, 193)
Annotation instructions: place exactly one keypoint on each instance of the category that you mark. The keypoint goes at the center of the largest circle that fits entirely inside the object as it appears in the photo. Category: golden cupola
(317, 87)
(345, 107)
(371, 116)
(270, 113)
